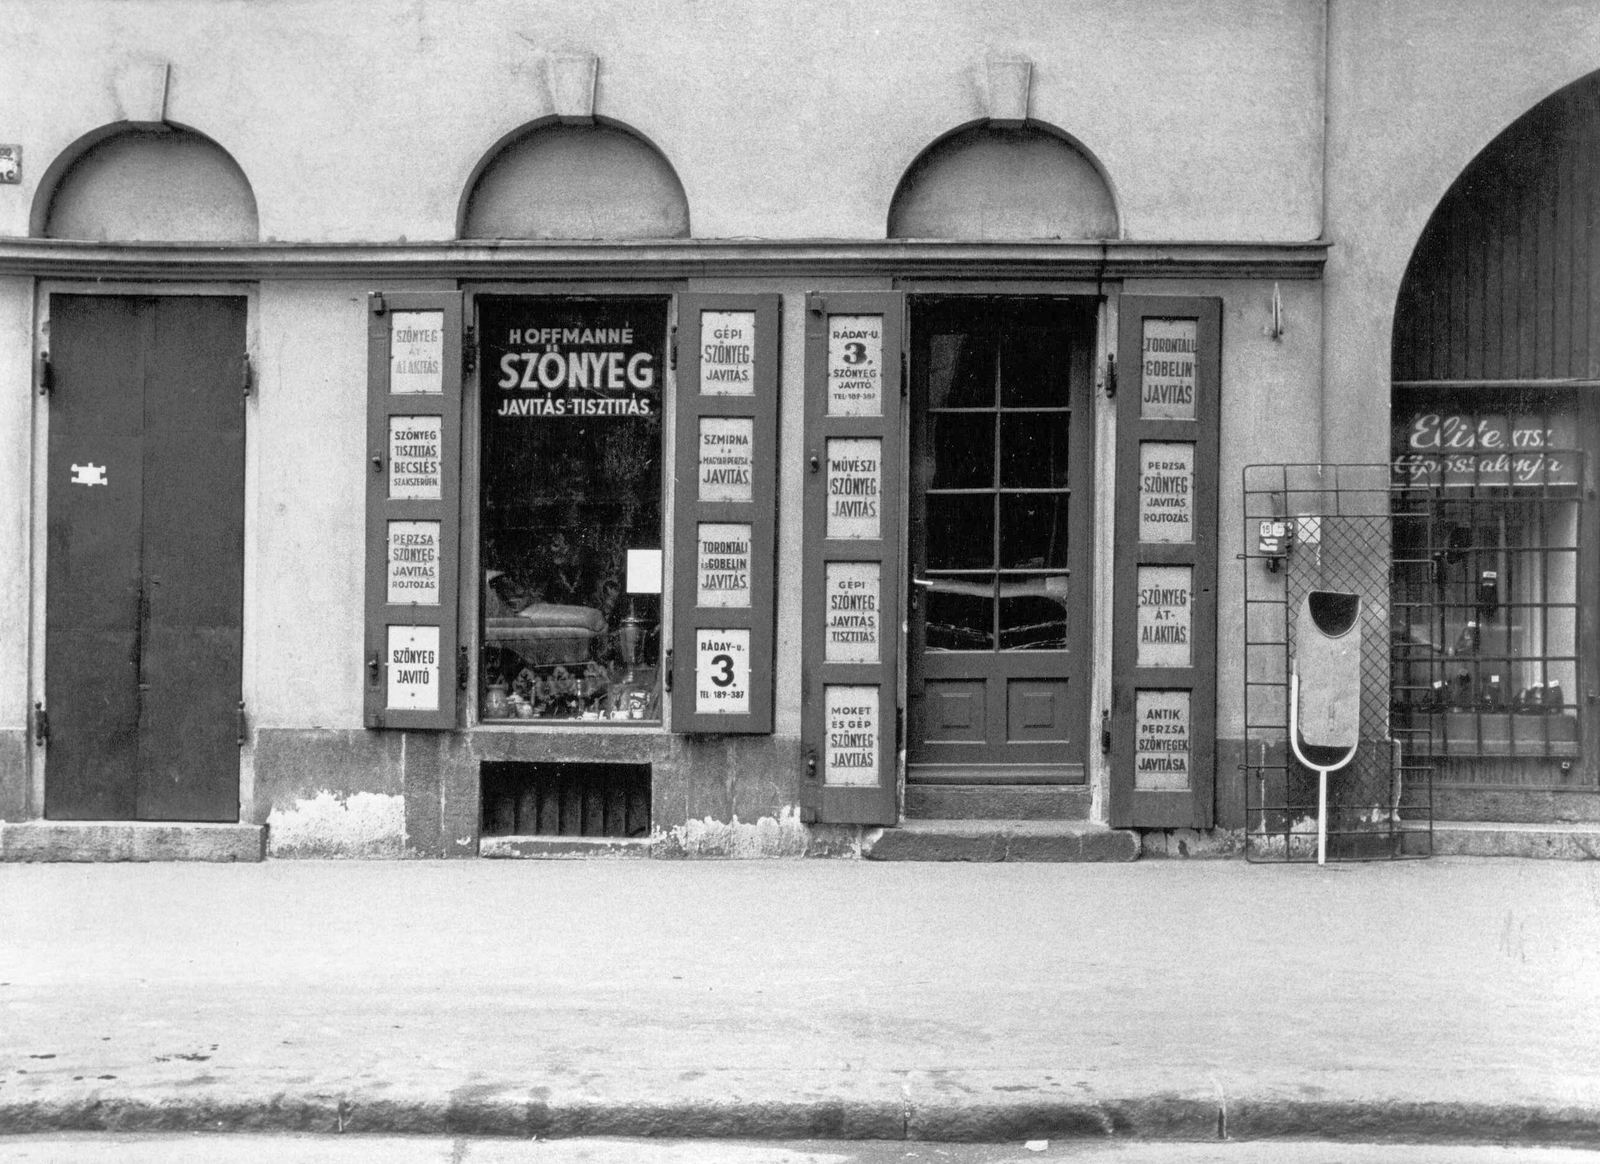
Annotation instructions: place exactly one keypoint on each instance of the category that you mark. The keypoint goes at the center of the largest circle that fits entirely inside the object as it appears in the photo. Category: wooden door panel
(193, 561)
(92, 604)
(1000, 462)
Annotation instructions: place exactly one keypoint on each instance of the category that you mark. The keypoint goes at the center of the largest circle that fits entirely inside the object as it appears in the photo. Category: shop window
(570, 512)
(1488, 594)
(169, 185)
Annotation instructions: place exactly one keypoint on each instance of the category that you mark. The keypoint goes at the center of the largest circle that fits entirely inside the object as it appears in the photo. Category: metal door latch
(41, 725)
(1105, 731)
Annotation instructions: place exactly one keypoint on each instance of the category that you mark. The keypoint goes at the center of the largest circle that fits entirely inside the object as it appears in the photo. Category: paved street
(249, 1149)
(1443, 1000)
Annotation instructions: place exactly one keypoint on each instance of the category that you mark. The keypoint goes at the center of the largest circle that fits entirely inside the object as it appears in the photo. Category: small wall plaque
(10, 165)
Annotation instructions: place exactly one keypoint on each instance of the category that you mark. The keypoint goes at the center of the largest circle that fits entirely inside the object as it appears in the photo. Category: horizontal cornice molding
(666, 259)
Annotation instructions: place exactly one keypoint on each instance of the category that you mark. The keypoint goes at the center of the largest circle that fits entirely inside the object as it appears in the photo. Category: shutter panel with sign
(413, 508)
(851, 582)
(725, 513)
(1164, 605)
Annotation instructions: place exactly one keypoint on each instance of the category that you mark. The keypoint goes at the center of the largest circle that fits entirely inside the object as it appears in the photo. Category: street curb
(502, 1112)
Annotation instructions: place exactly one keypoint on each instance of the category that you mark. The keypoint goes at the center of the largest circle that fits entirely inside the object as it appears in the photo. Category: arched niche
(1505, 278)
(988, 182)
(557, 181)
(146, 185)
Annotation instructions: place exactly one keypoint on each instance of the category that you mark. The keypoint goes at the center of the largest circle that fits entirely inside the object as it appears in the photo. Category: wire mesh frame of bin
(1486, 603)
(1324, 527)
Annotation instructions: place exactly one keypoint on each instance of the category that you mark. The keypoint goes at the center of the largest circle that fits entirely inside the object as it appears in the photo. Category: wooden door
(145, 563)
(1001, 440)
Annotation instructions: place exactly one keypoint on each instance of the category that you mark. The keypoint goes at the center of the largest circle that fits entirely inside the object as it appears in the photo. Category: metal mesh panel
(1327, 527)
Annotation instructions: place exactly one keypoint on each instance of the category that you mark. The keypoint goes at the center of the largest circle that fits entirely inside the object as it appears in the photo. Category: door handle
(915, 581)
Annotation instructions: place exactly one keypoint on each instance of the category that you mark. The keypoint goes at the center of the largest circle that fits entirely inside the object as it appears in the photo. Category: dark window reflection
(963, 451)
(1034, 366)
(1033, 530)
(1033, 449)
(960, 532)
(961, 369)
(960, 615)
(1033, 614)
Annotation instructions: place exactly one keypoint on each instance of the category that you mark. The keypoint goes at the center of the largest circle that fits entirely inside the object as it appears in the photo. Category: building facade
(450, 429)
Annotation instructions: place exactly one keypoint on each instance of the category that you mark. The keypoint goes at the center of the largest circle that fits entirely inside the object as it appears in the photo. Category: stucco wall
(16, 458)
(783, 120)
(1417, 90)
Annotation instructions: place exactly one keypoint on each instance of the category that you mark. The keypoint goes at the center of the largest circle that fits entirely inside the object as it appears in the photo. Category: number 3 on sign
(722, 672)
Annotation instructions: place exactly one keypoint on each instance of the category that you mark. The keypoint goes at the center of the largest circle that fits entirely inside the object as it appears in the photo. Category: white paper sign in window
(416, 353)
(726, 457)
(851, 754)
(852, 603)
(722, 672)
(723, 564)
(413, 667)
(413, 569)
(1162, 741)
(1167, 376)
(855, 487)
(1166, 595)
(855, 365)
(1166, 491)
(727, 353)
(415, 472)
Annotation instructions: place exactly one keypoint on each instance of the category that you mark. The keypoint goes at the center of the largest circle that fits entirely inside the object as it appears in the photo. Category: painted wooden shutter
(413, 508)
(852, 577)
(725, 513)
(1164, 601)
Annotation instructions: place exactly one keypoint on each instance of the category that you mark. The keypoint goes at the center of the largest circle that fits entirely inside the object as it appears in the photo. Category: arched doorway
(1496, 355)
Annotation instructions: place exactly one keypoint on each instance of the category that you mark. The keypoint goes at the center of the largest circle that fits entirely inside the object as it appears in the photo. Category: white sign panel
(1165, 616)
(413, 666)
(415, 472)
(727, 353)
(855, 487)
(723, 564)
(413, 563)
(855, 365)
(852, 602)
(416, 353)
(726, 458)
(1161, 743)
(1166, 491)
(1167, 377)
(851, 756)
(722, 672)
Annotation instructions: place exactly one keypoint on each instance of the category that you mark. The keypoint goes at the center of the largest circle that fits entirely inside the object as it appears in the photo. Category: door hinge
(41, 725)
(47, 374)
(668, 670)
(811, 766)
(672, 347)
(462, 662)
(1111, 375)
(245, 376)
(905, 376)
(1105, 731)
(374, 668)
(244, 725)
(469, 349)
(375, 301)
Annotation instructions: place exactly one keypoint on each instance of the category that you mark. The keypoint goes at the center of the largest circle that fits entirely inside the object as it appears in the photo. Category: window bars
(1325, 528)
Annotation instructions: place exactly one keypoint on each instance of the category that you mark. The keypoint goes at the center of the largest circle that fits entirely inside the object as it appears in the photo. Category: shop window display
(1487, 604)
(570, 507)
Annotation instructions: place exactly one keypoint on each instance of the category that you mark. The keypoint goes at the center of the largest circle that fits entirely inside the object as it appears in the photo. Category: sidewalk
(1447, 1000)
